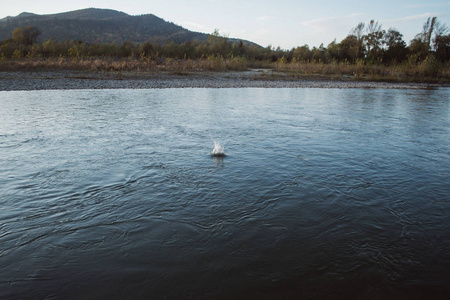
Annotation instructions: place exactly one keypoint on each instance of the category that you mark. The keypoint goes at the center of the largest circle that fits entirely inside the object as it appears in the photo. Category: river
(322, 193)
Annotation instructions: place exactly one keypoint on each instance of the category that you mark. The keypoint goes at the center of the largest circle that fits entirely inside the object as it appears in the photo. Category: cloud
(265, 18)
(320, 21)
(428, 5)
(410, 18)
(196, 27)
(320, 25)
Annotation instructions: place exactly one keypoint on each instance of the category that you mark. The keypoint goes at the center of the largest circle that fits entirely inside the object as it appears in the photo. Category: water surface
(323, 193)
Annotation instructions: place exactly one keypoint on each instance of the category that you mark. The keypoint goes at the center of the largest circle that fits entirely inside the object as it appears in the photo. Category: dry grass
(427, 71)
(94, 64)
(123, 64)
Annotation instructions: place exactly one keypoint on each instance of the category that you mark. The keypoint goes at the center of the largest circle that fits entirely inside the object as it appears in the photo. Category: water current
(323, 193)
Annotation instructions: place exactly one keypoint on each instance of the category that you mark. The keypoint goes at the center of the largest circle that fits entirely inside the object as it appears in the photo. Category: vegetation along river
(322, 193)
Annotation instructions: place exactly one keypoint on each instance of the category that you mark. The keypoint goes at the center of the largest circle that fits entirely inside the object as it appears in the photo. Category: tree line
(367, 43)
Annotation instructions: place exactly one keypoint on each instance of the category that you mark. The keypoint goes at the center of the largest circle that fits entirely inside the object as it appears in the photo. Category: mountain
(93, 25)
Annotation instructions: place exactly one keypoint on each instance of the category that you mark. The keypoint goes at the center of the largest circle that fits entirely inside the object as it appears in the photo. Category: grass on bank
(427, 71)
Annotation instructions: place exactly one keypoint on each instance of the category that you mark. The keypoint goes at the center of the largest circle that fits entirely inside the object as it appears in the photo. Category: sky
(283, 23)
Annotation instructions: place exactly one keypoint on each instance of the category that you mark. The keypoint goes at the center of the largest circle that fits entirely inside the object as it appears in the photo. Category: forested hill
(94, 25)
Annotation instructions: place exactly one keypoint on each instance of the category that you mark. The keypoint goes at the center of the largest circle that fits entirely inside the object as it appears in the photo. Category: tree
(433, 32)
(349, 48)
(333, 50)
(442, 47)
(374, 40)
(441, 42)
(393, 38)
(18, 35)
(418, 50)
(7, 48)
(302, 53)
(358, 32)
(317, 54)
(26, 36)
(427, 31)
(127, 49)
(219, 45)
(396, 46)
(31, 34)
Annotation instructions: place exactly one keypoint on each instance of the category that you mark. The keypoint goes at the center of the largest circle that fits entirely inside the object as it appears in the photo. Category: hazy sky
(284, 23)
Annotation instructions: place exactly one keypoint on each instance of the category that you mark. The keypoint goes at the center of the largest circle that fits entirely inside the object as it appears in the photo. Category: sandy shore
(58, 80)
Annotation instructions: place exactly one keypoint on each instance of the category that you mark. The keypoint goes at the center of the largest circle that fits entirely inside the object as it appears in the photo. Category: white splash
(218, 149)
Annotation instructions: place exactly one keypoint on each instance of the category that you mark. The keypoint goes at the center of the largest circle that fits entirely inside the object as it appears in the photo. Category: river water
(323, 193)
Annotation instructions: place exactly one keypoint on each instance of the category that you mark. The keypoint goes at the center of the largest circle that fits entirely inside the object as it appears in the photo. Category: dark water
(324, 193)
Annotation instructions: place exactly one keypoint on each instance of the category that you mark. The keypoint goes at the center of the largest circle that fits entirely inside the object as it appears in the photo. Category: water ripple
(323, 193)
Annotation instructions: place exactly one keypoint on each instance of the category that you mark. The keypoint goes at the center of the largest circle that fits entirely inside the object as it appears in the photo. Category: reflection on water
(324, 193)
(218, 160)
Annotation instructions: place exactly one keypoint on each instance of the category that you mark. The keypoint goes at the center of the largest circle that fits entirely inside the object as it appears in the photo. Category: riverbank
(255, 78)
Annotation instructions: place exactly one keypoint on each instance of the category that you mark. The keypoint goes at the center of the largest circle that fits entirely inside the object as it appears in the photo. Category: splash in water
(218, 149)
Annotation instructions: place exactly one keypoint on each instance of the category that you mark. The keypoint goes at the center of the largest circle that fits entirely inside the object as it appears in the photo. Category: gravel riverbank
(58, 80)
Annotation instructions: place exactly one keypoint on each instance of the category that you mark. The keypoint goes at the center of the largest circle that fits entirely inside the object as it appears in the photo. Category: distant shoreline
(256, 78)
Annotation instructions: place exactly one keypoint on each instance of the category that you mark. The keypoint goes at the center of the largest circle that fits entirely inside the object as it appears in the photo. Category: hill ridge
(96, 25)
